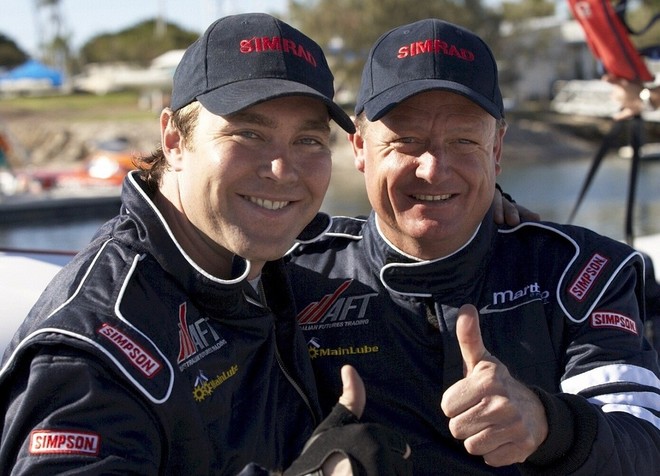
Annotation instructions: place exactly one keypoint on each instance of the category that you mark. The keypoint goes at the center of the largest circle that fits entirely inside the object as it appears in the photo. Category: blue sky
(84, 19)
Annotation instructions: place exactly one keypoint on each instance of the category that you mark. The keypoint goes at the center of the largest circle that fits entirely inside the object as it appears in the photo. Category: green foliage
(10, 54)
(638, 18)
(346, 29)
(117, 106)
(521, 10)
(139, 44)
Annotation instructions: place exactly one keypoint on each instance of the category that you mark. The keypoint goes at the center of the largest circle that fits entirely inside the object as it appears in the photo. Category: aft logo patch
(333, 310)
(587, 277)
(196, 340)
(613, 320)
(53, 442)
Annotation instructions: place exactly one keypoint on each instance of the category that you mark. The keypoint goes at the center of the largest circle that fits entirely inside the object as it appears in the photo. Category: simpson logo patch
(140, 358)
(587, 277)
(52, 442)
(612, 320)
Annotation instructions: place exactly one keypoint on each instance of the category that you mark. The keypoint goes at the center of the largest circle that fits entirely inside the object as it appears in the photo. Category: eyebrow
(252, 118)
(262, 120)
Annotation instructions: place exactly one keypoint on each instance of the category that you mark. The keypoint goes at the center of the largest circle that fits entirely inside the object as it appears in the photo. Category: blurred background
(82, 83)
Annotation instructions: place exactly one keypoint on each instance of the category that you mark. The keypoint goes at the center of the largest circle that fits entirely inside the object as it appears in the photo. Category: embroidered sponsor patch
(204, 387)
(52, 442)
(276, 43)
(613, 320)
(313, 312)
(335, 310)
(587, 277)
(316, 351)
(197, 339)
(138, 356)
(434, 46)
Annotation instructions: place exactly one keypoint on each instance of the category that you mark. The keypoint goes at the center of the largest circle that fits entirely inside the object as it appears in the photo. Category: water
(552, 188)
(547, 187)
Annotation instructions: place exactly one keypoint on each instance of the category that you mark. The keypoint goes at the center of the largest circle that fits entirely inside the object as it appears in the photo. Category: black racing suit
(136, 361)
(561, 306)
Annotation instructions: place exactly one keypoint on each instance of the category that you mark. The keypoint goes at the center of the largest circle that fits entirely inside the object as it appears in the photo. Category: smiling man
(169, 344)
(496, 350)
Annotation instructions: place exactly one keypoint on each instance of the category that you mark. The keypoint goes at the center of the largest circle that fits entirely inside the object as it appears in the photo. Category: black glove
(372, 449)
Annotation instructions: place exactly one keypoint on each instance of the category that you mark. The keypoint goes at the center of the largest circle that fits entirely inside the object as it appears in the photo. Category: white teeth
(432, 198)
(269, 204)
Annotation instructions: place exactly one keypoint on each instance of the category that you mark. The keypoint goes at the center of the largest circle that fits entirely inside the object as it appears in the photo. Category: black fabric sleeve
(572, 428)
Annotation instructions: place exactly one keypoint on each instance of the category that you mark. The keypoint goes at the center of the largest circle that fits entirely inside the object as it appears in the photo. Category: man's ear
(357, 144)
(170, 139)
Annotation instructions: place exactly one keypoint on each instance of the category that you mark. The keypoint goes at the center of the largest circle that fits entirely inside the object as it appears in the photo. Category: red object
(608, 40)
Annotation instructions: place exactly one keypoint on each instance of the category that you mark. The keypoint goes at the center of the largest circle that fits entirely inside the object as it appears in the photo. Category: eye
(248, 134)
(408, 145)
(464, 141)
(320, 140)
(406, 140)
(464, 145)
(309, 141)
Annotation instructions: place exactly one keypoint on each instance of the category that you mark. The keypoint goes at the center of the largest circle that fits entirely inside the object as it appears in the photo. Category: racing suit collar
(154, 237)
(315, 229)
(404, 274)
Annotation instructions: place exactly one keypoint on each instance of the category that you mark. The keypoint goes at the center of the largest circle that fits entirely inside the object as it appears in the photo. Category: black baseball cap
(426, 55)
(242, 60)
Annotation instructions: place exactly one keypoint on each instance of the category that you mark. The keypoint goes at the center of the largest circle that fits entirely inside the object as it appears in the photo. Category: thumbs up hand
(496, 416)
(354, 396)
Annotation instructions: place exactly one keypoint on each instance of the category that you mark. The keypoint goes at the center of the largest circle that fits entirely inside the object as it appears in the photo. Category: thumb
(469, 338)
(354, 396)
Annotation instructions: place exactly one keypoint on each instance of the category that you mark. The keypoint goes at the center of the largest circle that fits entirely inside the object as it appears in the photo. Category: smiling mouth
(267, 204)
(432, 198)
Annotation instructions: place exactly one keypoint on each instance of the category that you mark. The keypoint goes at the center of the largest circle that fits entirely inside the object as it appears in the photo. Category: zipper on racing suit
(280, 361)
(295, 385)
(443, 318)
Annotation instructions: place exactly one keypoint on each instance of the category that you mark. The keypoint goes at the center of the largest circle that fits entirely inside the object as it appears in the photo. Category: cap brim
(380, 105)
(235, 97)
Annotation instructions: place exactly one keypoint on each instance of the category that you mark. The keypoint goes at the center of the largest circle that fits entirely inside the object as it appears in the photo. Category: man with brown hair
(169, 344)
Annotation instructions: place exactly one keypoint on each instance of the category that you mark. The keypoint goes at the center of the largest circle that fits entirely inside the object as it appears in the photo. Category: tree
(10, 54)
(138, 44)
(54, 39)
(521, 10)
(638, 17)
(347, 28)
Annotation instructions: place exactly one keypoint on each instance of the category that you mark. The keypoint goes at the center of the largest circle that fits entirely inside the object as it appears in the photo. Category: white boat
(24, 274)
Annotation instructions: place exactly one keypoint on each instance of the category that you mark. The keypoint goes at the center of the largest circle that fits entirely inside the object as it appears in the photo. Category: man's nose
(431, 165)
(280, 167)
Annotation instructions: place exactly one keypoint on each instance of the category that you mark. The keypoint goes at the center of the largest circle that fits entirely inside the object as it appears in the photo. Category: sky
(84, 19)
